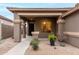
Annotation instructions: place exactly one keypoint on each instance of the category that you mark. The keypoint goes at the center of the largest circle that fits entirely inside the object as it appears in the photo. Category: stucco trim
(40, 14)
(38, 9)
(4, 18)
(17, 21)
(6, 22)
(61, 21)
(70, 12)
(73, 34)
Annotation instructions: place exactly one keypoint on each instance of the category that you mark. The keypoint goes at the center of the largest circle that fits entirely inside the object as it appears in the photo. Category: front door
(31, 28)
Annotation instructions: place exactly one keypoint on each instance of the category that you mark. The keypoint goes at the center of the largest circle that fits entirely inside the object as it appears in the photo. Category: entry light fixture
(44, 22)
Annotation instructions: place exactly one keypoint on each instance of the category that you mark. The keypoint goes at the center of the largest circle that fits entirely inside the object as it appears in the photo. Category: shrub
(35, 44)
(52, 37)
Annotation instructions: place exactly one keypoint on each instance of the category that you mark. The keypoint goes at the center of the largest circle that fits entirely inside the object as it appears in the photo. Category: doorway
(31, 28)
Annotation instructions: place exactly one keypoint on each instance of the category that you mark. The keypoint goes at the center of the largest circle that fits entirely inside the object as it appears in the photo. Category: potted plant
(52, 38)
(35, 44)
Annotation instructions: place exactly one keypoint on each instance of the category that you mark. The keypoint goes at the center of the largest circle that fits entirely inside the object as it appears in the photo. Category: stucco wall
(72, 25)
(0, 29)
(6, 29)
(37, 26)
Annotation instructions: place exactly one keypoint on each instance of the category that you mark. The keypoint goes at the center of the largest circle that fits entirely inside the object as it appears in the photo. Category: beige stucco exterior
(38, 25)
(72, 29)
(67, 21)
(0, 30)
(29, 14)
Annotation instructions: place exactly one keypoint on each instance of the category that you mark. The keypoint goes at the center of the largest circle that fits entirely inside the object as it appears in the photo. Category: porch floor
(46, 49)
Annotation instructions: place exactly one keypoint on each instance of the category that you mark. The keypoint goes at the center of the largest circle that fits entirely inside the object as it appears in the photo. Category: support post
(60, 23)
(17, 28)
(24, 31)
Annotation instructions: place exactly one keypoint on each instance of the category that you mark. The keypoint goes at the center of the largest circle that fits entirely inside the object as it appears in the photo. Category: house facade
(6, 28)
(61, 21)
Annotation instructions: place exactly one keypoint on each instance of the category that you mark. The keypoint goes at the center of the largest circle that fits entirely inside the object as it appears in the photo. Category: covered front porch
(42, 24)
(43, 21)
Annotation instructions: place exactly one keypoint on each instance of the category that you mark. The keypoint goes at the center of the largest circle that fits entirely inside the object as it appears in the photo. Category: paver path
(46, 49)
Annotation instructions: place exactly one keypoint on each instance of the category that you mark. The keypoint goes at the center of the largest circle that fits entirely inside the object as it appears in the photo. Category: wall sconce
(44, 22)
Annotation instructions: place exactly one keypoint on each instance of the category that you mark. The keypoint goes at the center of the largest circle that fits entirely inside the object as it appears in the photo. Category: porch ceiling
(31, 18)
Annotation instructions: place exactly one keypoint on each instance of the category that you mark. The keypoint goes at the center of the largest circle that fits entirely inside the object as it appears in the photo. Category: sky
(5, 12)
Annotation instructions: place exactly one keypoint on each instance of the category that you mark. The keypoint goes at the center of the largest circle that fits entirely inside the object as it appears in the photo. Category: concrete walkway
(20, 48)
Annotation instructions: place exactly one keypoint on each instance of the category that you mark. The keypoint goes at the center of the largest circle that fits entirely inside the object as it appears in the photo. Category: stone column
(17, 28)
(60, 23)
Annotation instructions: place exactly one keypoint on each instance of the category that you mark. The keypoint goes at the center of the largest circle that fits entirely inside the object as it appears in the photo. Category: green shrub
(35, 44)
(51, 37)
